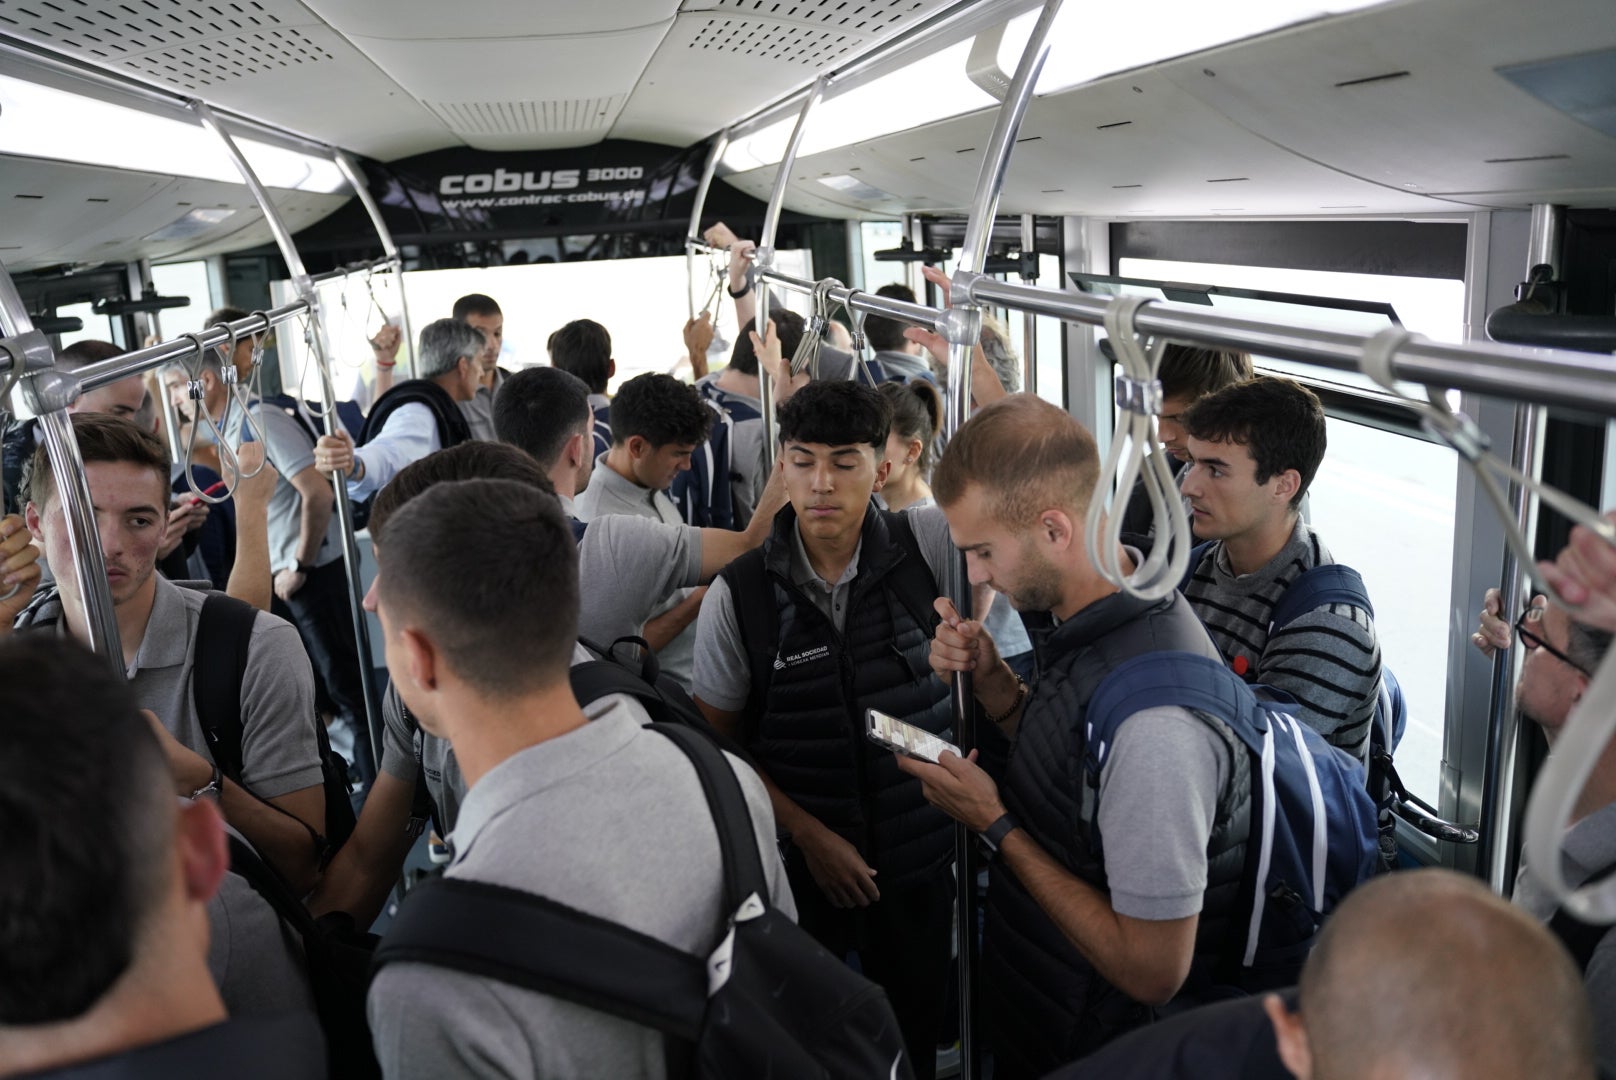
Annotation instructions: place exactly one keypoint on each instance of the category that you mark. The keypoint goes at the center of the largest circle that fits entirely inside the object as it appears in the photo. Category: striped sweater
(1328, 658)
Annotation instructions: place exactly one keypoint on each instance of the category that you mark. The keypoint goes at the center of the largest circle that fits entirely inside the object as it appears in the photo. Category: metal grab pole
(765, 260)
(344, 508)
(963, 329)
(1029, 321)
(693, 234)
(48, 393)
(361, 189)
(1498, 826)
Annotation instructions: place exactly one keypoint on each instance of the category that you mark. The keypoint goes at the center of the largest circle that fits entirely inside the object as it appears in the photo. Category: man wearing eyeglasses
(1562, 654)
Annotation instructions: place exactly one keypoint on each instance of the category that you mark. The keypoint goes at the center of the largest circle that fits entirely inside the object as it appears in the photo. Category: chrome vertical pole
(356, 180)
(1500, 823)
(963, 329)
(305, 289)
(1029, 321)
(693, 234)
(765, 260)
(48, 393)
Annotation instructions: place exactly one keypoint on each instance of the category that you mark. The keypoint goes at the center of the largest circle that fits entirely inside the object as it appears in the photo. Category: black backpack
(223, 637)
(337, 956)
(770, 1001)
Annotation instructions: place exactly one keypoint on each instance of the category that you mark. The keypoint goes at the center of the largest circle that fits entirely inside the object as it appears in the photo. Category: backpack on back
(768, 1001)
(1313, 836)
(223, 638)
(702, 492)
(1333, 583)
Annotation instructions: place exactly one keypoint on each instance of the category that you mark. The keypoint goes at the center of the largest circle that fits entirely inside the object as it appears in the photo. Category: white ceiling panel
(723, 59)
(404, 20)
(57, 213)
(570, 91)
(1413, 113)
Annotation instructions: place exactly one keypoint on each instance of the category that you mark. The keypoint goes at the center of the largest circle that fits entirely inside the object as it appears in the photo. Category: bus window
(1384, 504)
(184, 279)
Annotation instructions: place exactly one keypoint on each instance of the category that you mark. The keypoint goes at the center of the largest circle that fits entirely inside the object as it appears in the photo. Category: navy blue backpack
(1313, 837)
(703, 493)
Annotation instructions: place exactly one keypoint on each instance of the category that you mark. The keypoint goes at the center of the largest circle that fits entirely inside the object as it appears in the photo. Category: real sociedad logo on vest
(819, 652)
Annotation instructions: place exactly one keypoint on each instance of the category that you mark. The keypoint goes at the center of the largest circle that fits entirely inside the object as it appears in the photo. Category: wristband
(387, 363)
(736, 295)
(992, 837)
(1019, 700)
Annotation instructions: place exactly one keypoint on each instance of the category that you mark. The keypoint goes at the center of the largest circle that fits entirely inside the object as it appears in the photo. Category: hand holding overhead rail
(1139, 396)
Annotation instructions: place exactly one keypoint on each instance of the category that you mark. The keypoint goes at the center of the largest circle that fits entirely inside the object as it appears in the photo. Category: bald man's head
(1425, 973)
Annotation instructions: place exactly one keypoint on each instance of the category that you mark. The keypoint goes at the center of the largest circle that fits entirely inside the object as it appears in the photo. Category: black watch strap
(305, 568)
(992, 837)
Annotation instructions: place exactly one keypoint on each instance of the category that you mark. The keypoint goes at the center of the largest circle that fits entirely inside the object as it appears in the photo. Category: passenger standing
(900, 358)
(583, 348)
(590, 810)
(830, 618)
(104, 881)
(1080, 940)
(657, 423)
(735, 391)
(276, 799)
(1187, 374)
(917, 416)
(415, 417)
(483, 315)
(1562, 655)
(1255, 447)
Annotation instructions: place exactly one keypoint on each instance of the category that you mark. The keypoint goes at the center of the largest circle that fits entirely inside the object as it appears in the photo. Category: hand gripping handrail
(1135, 452)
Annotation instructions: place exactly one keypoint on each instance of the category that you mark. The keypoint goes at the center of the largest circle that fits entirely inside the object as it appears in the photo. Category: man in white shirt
(416, 416)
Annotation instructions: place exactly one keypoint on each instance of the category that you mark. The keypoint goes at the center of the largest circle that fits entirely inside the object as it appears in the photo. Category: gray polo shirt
(290, 450)
(723, 677)
(255, 958)
(609, 819)
(612, 495)
(404, 744)
(479, 413)
(279, 751)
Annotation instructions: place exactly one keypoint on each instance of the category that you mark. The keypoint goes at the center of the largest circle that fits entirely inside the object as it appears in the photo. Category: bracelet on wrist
(1015, 703)
(387, 363)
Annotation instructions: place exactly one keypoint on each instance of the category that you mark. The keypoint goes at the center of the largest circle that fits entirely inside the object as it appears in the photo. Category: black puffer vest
(1046, 1004)
(810, 686)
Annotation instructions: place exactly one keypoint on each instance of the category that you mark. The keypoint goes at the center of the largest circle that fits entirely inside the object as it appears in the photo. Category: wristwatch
(992, 837)
(214, 786)
(305, 568)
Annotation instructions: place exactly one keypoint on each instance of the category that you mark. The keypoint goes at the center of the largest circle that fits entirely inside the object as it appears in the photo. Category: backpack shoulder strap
(1197, 554)
(451, 422)
(743, 868)
(223, 636)
(595, 679)
(1581, 939)
(1319, 587)
(912, 582)
(250, 866)
(1155, 679)
(757, 618)
(538, 944)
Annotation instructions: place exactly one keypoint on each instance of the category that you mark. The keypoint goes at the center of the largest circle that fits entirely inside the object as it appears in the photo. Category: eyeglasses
(1534, 615)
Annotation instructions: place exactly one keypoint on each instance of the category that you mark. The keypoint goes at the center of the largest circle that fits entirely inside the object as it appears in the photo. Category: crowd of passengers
(523, 520)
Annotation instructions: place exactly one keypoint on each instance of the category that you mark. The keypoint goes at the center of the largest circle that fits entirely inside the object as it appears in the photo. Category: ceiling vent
(114, 30)
(527, 117)
(850, 16)
(813, 33)
(212, 62)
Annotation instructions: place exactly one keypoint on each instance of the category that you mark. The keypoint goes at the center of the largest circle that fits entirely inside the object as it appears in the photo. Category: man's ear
(422, 661)
(883, 469)
(638, 447)
(1287, 484)
(578, 444)
(611, 368)
(1290, 1036)
(203, 852)
(1057, 528)
(31, 518)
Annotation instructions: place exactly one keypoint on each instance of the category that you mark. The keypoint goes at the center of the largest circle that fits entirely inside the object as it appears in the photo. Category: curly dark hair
(1279, 421)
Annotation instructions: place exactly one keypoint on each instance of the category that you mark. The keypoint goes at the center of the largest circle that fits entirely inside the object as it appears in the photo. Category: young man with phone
(1082, 939)
(831, 617)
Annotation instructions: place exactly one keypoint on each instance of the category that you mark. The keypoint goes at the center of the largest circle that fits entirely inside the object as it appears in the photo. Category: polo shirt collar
(529, 773)
(802, 571)
(167, 641)
(619, 486)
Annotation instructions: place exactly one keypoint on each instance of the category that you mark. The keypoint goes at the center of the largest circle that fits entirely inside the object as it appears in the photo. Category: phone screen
(904, 738)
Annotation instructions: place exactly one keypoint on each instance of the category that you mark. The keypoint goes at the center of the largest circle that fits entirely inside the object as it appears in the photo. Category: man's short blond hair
(1027, 455)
